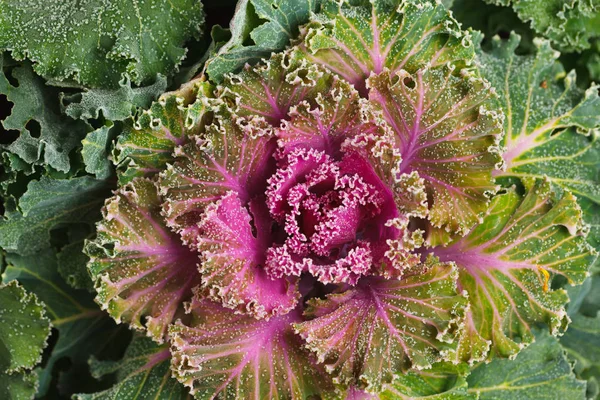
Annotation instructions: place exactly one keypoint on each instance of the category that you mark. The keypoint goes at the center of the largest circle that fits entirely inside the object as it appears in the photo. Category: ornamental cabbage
(341, 215)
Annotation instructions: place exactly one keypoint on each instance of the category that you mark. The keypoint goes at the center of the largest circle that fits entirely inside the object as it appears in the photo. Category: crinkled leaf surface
(444, 381)
(506, 264)
(95, 42)
(45, 136)
(550, 123)
(258, 28)
(355, 39)
(24, 329)
(220, 354)
(569, 24)
(143, 373)
(142, 271)
(539, 371)
(146, 146)
(114, 104)
(82, 328)
(446, 130)
(233, 259)
(371, 332)
(48, 204)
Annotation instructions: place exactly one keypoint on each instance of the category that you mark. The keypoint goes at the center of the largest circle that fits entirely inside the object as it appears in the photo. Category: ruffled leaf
(24, 329)
(96, 43)
(143, 372)
(446, 130)
(267, 91)
(550, 124)
(83, 330)
(569, 24)
(228, 157)
(539, 371)
(142, 271)
(506, 264)
(46, 137)
(355, 39)
(226, 355)
(113, 104)
(233, 260)
(146, 147)
(371, 332)
(48, 204)
(259, 28)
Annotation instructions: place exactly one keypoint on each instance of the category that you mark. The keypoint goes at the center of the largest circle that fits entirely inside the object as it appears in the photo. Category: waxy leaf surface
(142, 271)
(506, 264)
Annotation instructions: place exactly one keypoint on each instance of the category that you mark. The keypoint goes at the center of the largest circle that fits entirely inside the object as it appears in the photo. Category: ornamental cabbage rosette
(328, 220)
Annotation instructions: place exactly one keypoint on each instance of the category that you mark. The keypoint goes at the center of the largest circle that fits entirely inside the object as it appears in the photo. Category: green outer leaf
(444, 381)
(95, 43)
(582, 343)
(147, 146)
(401, 35)
(269, 24)
(113, 104)
(17, 386)
(370, 333)
(541, 371)
(96, 149)
(143, 373)
(24, 329)
(221, 354)
(550, 124)
(570, 24)
(505, 265)
(83, 329)
(36, 103)
(48, 204)
(142, 271)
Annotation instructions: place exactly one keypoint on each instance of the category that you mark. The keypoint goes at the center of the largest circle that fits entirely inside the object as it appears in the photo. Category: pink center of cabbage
(326, 211)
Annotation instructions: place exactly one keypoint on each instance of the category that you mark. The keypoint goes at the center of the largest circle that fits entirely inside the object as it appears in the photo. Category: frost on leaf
(95, 43)
(24, 330)
(356, 40)
(380, 328)
(147, 145)
(507, 263)
(445, 129)
(266, 92)
(143, 372)
(142, 271)
(551, 125)
(233, 259)
(220, 354)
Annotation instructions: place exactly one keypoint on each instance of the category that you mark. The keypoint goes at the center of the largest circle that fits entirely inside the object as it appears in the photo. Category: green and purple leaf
(142, 271)
(551, 125)
(506, 264)
(220, 354)
(357, 39)
(369, 333)
(147, 145)
(446, 130)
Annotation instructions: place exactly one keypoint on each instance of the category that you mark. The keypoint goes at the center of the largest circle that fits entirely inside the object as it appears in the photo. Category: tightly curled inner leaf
(302, 189)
